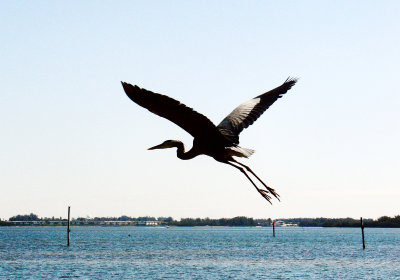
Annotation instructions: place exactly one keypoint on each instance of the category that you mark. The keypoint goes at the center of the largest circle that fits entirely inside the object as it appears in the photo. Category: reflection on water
(198, 253)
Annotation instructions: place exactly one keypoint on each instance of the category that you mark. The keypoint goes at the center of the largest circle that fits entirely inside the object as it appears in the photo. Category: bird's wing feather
(248, 112)
(193, 122)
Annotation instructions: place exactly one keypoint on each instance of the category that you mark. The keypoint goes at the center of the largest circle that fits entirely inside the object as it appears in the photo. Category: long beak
(156, 147)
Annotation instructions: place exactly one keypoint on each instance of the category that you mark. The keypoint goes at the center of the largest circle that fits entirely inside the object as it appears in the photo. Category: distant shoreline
(56, 226)
(34, 220)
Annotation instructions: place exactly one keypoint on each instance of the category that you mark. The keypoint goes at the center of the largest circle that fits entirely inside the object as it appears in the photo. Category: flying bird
(219, 142)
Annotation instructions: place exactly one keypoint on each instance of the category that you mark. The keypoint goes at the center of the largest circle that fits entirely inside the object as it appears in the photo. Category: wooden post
(68, 230)
(273, 228)
(362, 232)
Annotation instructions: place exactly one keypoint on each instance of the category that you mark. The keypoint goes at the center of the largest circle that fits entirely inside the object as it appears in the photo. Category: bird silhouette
(219, 142)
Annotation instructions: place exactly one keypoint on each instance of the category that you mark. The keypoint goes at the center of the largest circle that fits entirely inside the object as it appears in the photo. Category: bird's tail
(240, 152)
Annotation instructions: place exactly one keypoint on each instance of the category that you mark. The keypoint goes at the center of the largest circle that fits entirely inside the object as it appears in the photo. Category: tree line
(384, 221)
(237, 221)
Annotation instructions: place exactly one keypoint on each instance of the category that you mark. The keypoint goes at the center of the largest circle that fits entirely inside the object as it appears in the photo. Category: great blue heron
(220, 142)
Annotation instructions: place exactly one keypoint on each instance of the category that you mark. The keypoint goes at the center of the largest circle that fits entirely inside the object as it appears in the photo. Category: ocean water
(198, 253)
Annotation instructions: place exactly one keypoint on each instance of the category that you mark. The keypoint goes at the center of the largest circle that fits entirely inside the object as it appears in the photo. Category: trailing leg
(261, 191)
(271, 190)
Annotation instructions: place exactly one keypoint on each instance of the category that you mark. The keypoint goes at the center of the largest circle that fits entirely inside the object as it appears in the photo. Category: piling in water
(68, 230)
(273, 228)
(362, 232)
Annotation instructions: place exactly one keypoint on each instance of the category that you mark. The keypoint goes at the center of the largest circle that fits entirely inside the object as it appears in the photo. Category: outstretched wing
(248, 112)
(193, 122)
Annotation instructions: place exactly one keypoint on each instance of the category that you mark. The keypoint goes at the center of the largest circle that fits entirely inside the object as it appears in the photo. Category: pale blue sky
(70, 136)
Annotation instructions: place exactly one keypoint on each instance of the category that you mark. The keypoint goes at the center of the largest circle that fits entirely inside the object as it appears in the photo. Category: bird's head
(165, 145)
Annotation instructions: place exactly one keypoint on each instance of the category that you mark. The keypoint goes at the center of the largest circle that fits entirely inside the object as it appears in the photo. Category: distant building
(118, 223)
(27, 223)
(57, 223)
(148, 223)
(283, 224)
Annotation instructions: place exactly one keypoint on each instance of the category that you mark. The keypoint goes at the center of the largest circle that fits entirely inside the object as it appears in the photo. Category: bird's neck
(181, 151)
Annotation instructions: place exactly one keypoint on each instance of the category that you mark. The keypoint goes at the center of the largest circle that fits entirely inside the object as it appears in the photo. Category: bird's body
(219, 142)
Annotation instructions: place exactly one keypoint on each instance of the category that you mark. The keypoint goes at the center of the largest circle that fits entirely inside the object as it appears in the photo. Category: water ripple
(198, 253)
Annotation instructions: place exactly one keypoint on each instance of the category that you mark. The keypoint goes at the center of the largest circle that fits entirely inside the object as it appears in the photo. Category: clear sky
(70, 136)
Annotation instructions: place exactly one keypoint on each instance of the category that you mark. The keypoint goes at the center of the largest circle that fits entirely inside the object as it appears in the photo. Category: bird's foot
(265, 194)
(273, 192)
